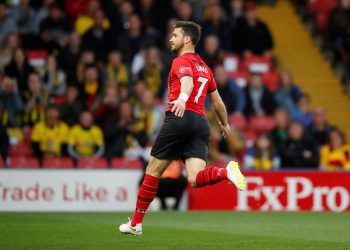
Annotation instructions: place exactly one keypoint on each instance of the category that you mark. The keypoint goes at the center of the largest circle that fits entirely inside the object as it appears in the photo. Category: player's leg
(146, 194)
(199, 175)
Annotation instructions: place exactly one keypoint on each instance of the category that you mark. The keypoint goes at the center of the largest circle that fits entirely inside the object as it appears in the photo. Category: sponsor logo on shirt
(183, 69)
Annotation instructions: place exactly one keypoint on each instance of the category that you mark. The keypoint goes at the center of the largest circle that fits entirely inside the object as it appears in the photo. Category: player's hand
(225, 130)
(179, 107)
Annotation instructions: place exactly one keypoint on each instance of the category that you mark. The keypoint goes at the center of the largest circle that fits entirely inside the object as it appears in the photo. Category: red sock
(210, 176)
(147, 192)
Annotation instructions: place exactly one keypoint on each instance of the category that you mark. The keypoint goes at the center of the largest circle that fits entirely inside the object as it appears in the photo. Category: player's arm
(220, 111)
(186, 89)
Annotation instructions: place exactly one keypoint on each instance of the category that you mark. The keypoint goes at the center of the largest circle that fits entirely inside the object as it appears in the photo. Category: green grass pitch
(176, 230)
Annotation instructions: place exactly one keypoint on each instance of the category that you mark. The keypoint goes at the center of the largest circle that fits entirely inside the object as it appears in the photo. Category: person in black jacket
(4, 143)
(259, 99)
(251, 35)
(299, 151)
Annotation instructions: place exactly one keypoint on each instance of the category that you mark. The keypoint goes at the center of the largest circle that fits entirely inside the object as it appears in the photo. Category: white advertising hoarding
(68, 190)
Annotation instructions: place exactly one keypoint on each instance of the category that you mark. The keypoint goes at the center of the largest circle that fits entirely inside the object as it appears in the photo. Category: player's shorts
(183, 137)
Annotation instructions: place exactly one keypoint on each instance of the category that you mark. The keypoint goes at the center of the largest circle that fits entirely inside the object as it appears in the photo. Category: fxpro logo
(319, 195)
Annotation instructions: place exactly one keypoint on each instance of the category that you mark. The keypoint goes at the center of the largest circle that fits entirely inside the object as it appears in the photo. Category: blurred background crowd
(87, 79)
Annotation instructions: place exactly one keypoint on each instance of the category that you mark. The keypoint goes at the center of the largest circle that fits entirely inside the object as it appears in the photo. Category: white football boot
(235, 176)
(128, 229)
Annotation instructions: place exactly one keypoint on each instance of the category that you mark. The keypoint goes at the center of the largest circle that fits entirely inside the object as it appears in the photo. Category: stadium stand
(105, 57)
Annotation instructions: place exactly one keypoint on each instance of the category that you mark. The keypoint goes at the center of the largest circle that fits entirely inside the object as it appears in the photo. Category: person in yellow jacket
(85, 138)
(49, 137)
(336, 154)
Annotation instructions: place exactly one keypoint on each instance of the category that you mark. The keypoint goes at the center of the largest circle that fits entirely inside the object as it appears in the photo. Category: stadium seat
(37, 58)
(22, 149)
(28, 135)
(57, 162)
(126, 163)
(249, 137)
(241, 77)
(257, 64)
(231, 63)
(2, 163)
(92, 163)
(23, 162)
(261, 124)
(238, 121)
(271, 80)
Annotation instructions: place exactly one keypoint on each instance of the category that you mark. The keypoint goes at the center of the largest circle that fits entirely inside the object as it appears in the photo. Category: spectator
(299, 151)
(231, 94)
(4, 143)
(56, 27)
(288, 93)
(98, 38)
(262, 156)
(19, 68)
(236, 12)
(151, 16)
(335, 155)
(171, 184)
(217, 24)
(115, 69)
(7, 24)
(87, 58)
(91, 86)
(72, 107)
(11, 43)
(279, 134)
(85, 139)
(107, 104)
(260, 101)
(86, 21)
(319, 129)
(184, 10)
(54, 79)
(121, 133)
(36, 100)
(69, 56)
(252, 36)
(149, 115)
(338, 27)
(132, 40)
(153, 73)
(24, 16)
(11, 104)
(49, 137)
(211, 51)
(42, 13)
(302, 111)
(224, 149)
(119, 16)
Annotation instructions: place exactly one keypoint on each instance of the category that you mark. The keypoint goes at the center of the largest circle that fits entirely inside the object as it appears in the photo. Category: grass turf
(174, 230)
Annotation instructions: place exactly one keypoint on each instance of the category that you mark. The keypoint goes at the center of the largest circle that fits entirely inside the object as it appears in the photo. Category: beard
(176, 47)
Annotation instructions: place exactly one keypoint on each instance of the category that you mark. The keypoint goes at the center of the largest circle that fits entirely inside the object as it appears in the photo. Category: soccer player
(185, 133)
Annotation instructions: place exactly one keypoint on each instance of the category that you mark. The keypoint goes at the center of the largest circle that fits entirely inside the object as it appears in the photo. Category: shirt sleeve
(37, 131)
(212, 84)
(182, 67)
(71, 137)
(98, 136)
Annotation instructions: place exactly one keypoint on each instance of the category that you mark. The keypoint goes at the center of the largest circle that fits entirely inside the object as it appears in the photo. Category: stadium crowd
(87, 79)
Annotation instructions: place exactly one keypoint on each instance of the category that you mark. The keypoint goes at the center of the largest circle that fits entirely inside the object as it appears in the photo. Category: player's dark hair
(190, 29)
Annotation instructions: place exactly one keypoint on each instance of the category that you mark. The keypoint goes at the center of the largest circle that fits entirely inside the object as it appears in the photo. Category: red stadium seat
(271, 80)
(126, 163)
(238, 121)
(37, 58)
(257, 64)
(28, 135)
(57, 162)
(249, 137)
(231, 62)
(23, 162)
(92, 163)
(262, 124)
(22, 149)
(241, 77)
(2, 163)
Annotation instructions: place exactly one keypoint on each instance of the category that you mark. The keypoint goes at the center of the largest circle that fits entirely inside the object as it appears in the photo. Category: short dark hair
(190, 29)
